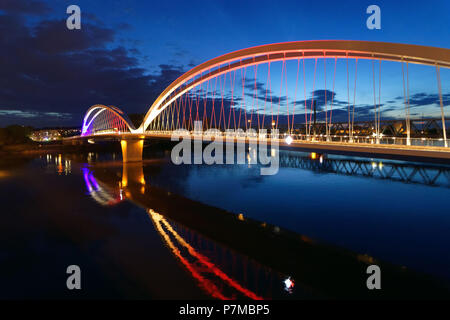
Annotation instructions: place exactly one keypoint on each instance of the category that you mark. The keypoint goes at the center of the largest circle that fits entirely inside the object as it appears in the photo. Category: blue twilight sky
(128, 51)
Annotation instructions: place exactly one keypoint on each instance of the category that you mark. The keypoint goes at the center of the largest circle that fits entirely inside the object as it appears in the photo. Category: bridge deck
(431, 152)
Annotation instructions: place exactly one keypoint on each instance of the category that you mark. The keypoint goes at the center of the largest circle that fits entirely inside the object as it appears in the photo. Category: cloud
(318, 96)
(53, 37)
(33, 114)
(24, 7)
(33, 118)
(321, 98)
(49, 71)
(423, 99)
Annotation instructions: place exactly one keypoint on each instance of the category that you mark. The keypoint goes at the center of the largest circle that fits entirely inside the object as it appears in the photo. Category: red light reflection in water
(208, 285)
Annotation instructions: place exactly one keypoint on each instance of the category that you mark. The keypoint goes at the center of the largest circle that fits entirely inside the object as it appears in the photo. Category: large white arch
(294, 50)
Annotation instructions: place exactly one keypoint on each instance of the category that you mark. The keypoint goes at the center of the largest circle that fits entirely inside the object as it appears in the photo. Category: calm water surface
(174, 232)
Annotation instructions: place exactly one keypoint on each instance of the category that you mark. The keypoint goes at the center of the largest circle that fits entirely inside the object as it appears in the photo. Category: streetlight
(288, 139)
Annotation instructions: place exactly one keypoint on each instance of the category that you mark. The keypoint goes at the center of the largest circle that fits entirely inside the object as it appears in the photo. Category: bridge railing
(292, 138)
(387, 140)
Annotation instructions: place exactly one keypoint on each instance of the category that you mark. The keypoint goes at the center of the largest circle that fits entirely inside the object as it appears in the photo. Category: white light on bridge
(288, 139)
(288, 284)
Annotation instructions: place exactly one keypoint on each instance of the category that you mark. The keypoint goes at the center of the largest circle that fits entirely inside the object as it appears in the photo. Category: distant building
(53, 134)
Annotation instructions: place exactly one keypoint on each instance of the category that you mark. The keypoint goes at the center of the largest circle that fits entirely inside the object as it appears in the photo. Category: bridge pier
(132, 149)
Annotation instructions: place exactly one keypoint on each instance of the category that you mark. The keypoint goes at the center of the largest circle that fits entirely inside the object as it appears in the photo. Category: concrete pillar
(132, 149)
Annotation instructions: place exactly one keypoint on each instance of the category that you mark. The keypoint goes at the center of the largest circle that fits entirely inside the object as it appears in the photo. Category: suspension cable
(444, 133)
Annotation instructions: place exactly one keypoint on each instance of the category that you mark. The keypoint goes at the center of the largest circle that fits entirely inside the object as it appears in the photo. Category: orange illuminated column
(132, 149)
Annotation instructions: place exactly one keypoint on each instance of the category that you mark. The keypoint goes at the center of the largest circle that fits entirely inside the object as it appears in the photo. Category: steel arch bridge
(101, 119)
(294, 51)
(206, 94)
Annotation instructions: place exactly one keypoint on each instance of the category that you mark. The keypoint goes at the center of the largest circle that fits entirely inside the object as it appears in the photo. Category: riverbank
(26, 149)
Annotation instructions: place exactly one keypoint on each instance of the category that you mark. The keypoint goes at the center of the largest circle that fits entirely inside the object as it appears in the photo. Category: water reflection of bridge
(220, 271)
(253, 259)
(429, 174)
(209, 263)
(420, 173)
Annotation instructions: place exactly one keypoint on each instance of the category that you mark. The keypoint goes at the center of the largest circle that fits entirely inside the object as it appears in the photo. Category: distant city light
(46, 135)
(288, 140)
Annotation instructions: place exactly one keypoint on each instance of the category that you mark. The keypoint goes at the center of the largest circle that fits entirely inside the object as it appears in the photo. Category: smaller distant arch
(100, 118)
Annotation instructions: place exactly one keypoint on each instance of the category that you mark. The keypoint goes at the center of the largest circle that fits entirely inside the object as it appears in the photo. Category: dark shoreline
(36, 149)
